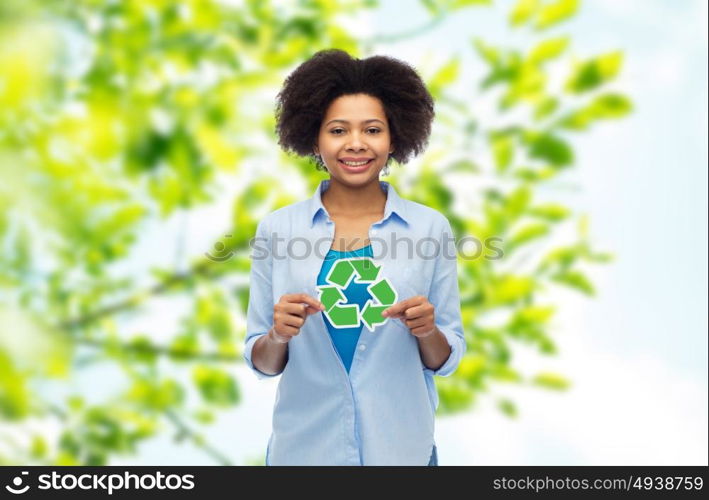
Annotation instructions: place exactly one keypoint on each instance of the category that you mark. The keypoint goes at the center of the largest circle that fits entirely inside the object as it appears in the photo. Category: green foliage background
(115, 115)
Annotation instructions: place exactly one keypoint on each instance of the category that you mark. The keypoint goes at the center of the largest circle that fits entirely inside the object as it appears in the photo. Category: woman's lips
(357, 169)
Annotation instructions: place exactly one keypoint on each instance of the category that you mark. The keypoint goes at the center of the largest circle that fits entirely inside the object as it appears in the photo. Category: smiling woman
(348, 395)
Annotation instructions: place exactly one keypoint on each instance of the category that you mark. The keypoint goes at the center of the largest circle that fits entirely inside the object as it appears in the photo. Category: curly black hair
(328, 74)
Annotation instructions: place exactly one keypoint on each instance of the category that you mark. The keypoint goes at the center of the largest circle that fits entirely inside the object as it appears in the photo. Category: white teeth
(355, 163)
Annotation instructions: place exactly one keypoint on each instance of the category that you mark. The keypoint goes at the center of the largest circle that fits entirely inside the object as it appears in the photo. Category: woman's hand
(417, 313)
(289, 315)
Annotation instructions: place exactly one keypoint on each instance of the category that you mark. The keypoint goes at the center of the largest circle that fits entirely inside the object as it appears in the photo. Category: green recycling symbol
(343, 315)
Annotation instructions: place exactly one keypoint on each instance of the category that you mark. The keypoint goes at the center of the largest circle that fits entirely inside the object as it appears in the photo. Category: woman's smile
(355, 167)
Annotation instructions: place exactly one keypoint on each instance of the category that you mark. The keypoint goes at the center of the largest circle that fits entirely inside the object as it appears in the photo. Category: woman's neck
(340, 199)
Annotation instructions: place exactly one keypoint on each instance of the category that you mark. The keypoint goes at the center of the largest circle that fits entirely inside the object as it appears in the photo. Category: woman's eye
(337, 131)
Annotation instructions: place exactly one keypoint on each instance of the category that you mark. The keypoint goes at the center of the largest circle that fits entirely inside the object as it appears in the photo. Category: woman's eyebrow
(363, 121)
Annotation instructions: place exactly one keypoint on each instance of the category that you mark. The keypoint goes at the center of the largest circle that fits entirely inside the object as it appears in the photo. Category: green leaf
(550, 148)
(575, 279)
(527, 83)
(529, 324)
(220, 326)
(458, 4)
(508, 407)
(216, 386)
(611, 105)
(606, 106)
(551, 381)
(211, 311)
(471, 367)
(147, 151)
(523, 11)
(487, 52)
(509, 289)
(39, 447)
(446, 75)
(184, 347)
(505, 373)
(553, 212)
(431, 6)
(517, 202)
(156, 396)
(438, 7)
(556, 12)
(454, 395)
(205, 416)
(14, 392)
(534, 314)
(527, 233)
(548, 49)
(544, 107)
(595, 72)
(142, 349)
(561, 258)
(535, 174)
(600, 257)
(503, 151)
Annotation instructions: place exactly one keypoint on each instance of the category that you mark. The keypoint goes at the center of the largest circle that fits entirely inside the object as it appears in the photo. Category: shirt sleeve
(445, 298)
(259, 314)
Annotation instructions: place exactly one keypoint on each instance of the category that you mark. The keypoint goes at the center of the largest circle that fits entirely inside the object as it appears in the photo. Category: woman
(356, 342)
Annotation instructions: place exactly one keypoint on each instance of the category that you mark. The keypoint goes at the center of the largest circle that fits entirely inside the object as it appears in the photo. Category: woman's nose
(355, 142)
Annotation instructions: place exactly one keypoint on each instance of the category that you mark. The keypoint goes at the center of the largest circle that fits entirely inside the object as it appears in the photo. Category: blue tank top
(345, 339)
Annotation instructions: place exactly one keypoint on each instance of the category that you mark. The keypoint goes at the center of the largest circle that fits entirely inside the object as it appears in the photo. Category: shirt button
(362, 347)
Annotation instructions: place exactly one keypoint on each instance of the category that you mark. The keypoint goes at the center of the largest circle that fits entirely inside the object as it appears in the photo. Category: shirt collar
(394, 204)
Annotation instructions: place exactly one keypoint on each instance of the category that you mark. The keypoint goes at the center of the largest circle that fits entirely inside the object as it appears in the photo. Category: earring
(385, 170)
(317, 158)
(319, 163)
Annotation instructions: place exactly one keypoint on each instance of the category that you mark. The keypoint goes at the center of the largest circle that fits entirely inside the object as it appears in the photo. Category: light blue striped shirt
(382, 412)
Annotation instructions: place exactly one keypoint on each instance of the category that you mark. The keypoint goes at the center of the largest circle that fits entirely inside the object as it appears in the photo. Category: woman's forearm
(434, 350)
(268, 355)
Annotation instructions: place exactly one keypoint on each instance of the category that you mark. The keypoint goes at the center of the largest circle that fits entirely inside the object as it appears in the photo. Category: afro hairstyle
(307, 92)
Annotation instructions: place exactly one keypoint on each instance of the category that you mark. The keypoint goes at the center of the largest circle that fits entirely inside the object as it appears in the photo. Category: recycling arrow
(383, 292)
(372, 315)
(345, 269)
(331, 295)
(343, 315)
(366, 270)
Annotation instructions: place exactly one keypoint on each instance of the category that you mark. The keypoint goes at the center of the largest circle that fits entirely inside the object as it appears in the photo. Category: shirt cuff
(248, 347)
(449, 366)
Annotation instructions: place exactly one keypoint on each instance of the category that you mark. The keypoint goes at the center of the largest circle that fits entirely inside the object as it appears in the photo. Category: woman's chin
(357, 179)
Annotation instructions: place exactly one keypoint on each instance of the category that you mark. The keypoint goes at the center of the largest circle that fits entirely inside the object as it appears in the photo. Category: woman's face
(354, 130)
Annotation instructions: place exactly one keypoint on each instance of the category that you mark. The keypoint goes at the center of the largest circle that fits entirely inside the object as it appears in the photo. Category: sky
(637, 353)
